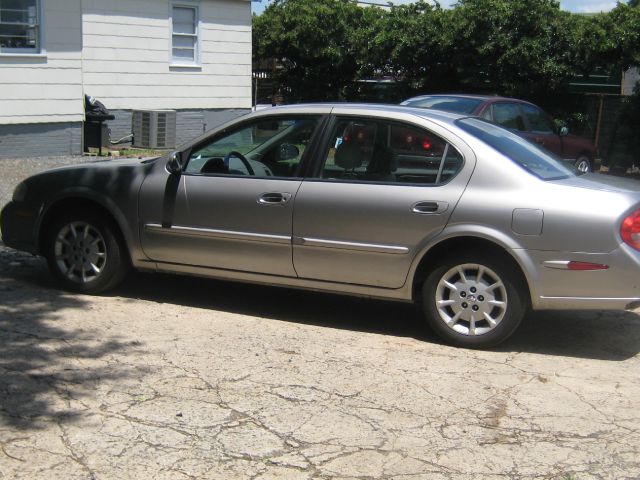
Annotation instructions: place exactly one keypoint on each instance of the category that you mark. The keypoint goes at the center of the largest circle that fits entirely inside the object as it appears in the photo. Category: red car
(526, 119)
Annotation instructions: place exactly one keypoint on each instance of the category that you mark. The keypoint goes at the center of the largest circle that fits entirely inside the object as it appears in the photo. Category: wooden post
(599, 121)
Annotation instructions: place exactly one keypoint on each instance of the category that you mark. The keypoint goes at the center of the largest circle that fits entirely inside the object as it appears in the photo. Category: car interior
(383, 152)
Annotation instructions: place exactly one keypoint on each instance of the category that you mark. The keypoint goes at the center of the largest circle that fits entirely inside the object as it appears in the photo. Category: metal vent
(154, 128)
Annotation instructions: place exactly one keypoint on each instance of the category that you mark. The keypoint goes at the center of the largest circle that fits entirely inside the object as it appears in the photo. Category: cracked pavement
(172, 377)
(183, 378)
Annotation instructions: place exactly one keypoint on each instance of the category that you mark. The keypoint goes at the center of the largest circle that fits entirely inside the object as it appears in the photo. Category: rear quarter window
(531, 158)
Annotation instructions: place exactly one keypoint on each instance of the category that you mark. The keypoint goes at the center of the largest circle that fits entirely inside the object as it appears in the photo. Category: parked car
(453, 212)
(524, 118)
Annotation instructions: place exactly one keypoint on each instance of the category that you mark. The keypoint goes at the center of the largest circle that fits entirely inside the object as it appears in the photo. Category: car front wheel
(473, 301)
(84, 253)
(583, 164)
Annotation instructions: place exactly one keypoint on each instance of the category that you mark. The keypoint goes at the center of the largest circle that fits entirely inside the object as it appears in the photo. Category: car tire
(85, 253)
(474, 300)
(583, 164)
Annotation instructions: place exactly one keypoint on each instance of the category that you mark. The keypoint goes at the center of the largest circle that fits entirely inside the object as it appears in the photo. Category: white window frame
(195, 63)
(38, 50)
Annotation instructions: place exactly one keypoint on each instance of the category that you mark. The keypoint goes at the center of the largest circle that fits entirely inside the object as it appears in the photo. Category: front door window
(539, 122)
(266, 148)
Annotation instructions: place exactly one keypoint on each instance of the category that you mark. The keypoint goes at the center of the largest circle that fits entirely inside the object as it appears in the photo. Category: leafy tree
(317, 44)
(626, 32)
(412, 44)
(525, 48)
(515, 48)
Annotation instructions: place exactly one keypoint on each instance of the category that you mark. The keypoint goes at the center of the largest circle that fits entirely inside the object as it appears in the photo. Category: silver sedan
(468, 219)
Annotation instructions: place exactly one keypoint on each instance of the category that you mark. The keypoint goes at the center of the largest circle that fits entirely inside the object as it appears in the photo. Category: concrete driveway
(172, 378)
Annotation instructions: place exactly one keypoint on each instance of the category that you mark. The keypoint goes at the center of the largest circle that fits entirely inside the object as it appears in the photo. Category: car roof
(456, 95)
(326, 108)
(483, 98)
(338, 108)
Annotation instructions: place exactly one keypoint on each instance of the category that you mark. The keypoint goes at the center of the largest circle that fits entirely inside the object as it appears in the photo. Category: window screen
(184, 35)
(19, 26)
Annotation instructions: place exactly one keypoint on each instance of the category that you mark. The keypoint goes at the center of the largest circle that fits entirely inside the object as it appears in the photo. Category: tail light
(630, 230)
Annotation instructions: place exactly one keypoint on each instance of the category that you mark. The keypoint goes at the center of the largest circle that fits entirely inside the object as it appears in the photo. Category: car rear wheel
(583, 164)
(473, 301)
(84, 253)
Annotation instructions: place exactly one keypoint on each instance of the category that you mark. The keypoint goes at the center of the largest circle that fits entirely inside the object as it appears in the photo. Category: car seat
(215, 165)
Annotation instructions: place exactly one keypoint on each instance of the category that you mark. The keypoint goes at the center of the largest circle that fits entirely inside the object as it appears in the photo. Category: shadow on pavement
(598, 335)
(42, 365)
(284, 304)
(602, 335)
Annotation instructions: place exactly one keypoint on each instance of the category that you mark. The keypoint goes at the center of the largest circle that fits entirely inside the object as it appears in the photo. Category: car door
(381, 190)
(232, 205)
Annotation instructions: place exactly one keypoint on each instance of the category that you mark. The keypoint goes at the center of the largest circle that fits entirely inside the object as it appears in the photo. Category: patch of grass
(140, 152)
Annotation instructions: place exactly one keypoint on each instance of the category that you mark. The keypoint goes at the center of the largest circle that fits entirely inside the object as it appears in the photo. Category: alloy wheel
(80, 252)
(471, 299)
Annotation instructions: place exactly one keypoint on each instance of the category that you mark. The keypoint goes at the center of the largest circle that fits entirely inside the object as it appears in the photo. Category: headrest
(348, 155)
(214, 165)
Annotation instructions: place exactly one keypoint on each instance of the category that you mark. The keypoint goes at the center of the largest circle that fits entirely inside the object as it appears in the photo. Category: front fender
(124, 223)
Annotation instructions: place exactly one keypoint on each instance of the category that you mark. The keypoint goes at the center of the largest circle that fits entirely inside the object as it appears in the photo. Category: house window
(19, 26)
(184, 35)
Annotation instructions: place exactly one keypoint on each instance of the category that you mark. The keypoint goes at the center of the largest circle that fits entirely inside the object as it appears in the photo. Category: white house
(190, 56)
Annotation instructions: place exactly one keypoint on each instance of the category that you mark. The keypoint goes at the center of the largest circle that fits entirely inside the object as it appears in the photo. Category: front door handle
(430, 207)
(274, 198)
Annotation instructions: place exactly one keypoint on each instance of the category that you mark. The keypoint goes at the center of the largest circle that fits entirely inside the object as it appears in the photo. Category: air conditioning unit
(154, 128)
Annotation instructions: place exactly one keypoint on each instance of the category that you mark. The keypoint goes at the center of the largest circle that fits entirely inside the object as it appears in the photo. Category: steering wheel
(242, 158)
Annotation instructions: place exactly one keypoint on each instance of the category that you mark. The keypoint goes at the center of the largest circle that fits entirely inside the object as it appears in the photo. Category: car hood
(106, 179)
(598, 181)
(108, 163)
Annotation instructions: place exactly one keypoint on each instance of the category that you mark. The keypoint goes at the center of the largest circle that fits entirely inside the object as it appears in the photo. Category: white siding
(46, 88)
(126, 56)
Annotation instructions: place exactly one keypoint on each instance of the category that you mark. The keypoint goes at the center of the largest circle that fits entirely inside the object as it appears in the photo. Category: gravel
(14, 170)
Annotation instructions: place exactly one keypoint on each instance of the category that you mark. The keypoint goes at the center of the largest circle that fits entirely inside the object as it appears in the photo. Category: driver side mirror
(288, 151)
(174, 165)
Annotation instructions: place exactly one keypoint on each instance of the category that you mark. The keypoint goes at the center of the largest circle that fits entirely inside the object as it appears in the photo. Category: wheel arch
(515, 257)
(79, 200)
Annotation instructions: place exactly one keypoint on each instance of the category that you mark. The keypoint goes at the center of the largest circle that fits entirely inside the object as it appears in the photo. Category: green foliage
(513, 47)
(527, 48)
(316, 43)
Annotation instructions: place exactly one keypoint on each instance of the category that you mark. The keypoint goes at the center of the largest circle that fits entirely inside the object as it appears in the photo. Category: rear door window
(508, 115)
(379, 151)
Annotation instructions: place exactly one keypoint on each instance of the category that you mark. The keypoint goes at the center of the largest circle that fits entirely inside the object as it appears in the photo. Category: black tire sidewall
(516, 306)
(115, 267)
(582, 158)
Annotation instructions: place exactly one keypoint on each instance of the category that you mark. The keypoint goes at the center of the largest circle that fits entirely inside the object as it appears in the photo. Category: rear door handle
(430, 207)
(274, 198)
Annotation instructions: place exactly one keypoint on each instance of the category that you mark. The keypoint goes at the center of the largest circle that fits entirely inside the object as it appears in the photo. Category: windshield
(447, 104)
(541, 163)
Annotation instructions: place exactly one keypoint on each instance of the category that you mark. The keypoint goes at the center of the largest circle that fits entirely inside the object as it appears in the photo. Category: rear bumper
(587, 303)
(617, 288)
(18, 227)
